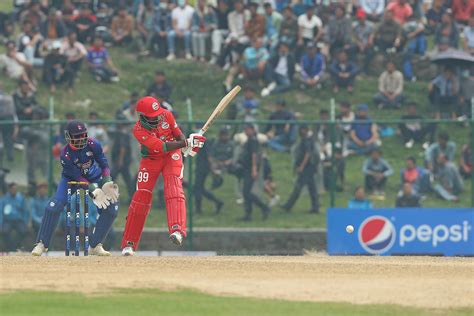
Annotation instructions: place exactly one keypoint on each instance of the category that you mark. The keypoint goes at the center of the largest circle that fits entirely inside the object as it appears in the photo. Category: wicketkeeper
(82, 160)
(162, 143)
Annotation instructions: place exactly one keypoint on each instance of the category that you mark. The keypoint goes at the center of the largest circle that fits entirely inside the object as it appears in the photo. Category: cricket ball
(349, 229)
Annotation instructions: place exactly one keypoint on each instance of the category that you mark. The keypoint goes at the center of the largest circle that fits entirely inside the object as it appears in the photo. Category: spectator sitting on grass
(401, 9)
(418, 177)
(33, 14)
(447, 33)
(376, 171)
(465, 161)
(53, 28)
(360, 201)
(413, 131)
(444, 93)
(388, 34)
(390, 88)
(363, 135)
(272, 26)
(448, 181)
(15, 65)
(373, 8)
(15, 217)
(25, 101)
(122, 27)
(221, 31)
(31, 43)
(84, 23)
(407, 198)
(55, 70)
(289, 27)
(442, 146)
(339, 31)
(100, 63)
(204, 22)
(414, 32)
(181, 23)
(310, 27)
(255, 28)
(146, 28)
(37, 204)
(75, 52)
(434, 14)
(281, 136)
(343, 72)
(160, 87)
(312, 67)
(362, 32)
(346, 115)
(162, 26)
(463, 10)
(279, 71)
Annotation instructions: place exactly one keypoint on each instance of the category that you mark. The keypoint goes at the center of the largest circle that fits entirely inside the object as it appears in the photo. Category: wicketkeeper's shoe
(39, 249)
(128, 252)
(99, 251)
(177, 238)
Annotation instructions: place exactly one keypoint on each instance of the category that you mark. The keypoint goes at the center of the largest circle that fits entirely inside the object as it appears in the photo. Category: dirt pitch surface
(427, 282)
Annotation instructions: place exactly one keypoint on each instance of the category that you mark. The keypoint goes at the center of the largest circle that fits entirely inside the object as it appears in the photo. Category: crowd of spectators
(272, 46)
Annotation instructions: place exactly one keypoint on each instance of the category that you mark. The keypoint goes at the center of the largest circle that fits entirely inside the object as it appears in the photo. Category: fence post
(189, 165)
(51, 144)
(333, 152)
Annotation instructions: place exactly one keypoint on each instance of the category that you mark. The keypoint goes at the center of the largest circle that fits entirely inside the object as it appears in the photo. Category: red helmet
(149, 107)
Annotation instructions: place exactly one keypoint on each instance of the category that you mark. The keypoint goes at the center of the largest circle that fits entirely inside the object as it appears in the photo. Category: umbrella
(453, 57)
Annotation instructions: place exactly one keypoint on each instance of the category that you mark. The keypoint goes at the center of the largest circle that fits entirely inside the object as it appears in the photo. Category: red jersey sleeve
(147, 139)
(174, 126)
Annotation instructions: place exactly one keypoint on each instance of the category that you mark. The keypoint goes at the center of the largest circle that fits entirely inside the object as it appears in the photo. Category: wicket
(77, 217)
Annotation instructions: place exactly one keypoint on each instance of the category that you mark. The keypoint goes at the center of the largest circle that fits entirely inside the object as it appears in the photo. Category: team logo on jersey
(76, 160)
(377, 235)
(89, 154)
(144, 137)
(52, 204)
(155, 106)
(163, 137)
(165, 125)
(175, 156)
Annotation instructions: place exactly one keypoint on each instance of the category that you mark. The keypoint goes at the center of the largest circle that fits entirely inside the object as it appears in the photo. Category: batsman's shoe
(99, 251)
(39, 249)
(128, 252)
(177, 238)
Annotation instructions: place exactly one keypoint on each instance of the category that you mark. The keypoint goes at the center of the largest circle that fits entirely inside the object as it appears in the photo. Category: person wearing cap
(162, 147)
(312, 66)
(362, 31)
(363, 134)
(306, 165)
(82, 160)
(55, 70)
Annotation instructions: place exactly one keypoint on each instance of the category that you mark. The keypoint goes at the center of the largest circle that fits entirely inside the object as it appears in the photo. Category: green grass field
(202, 83)
(156, 302)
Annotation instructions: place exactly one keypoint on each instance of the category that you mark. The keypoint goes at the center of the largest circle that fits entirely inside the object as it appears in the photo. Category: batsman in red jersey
(162, 143)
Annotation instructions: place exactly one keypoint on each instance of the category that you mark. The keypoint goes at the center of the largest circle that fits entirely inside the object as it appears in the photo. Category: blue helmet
(76, 134)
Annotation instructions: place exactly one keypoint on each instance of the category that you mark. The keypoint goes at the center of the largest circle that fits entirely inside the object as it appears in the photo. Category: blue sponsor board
(403, 231)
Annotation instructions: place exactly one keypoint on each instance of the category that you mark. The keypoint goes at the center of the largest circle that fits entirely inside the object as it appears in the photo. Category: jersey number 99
(143, 176)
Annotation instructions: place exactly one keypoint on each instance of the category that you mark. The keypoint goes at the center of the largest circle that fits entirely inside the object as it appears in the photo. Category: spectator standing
(468, 33)
(418, 177)
(122, 27)
(9, 131)
(25, 101)
(413, 131)
(360, 201)
(84, 24)
(255, 28)
(53, 28)
(449, 183)
(390, 93)
(306, 162)
(55, 70)
(181, 22)
(289, 28)
(444, 93)
(447, 33)
(75, 53)
(362, 31)
(100, 63)
(145, 26)
(376, 171)
(401, 9)
(465, 162)
(339, 31)
(279, 71)
(388, 34)
(37, 205)
(15, 217)
(343, 72)
(414, 33)
(407, 198)
(442, 146)
(221, 31)
(364, 136)
(250, 161)
(312, 67)
(204, 23)
(273, 20)
(160, 88)
(281, 136)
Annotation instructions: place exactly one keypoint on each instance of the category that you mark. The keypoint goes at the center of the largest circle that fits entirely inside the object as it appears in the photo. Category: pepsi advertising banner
(403, 231)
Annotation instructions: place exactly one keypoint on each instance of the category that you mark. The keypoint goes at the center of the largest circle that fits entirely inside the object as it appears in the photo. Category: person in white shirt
(310, 27)
(373, 8)
(15, 65)
(75, 52)
(181, 20)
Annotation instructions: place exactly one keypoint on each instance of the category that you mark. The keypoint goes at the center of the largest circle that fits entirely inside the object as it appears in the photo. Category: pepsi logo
(377, 235)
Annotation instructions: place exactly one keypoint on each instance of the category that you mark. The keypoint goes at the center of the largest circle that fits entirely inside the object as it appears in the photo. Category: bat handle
(201, 132)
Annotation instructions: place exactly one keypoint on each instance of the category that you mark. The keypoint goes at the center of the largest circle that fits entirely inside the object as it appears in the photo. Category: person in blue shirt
(15, 217)
(363, 134)
(83, 160)
(359, 201)
(37, 205)
(376, 171)
(312, 66)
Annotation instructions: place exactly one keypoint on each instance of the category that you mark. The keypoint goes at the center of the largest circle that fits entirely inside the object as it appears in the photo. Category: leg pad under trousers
(175, 204)
(136, 217)
(50, 220)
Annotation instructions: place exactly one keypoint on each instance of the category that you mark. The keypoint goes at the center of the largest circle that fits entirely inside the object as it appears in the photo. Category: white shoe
(128, 252)
(274, 201)
(171, 57)
(272, 86)
(188, 56)
(213, 60)
(99, 251)
(409, 144)
(39, 249)
(115, 79)
(177, 238)
(426, 145)
(265, 92)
